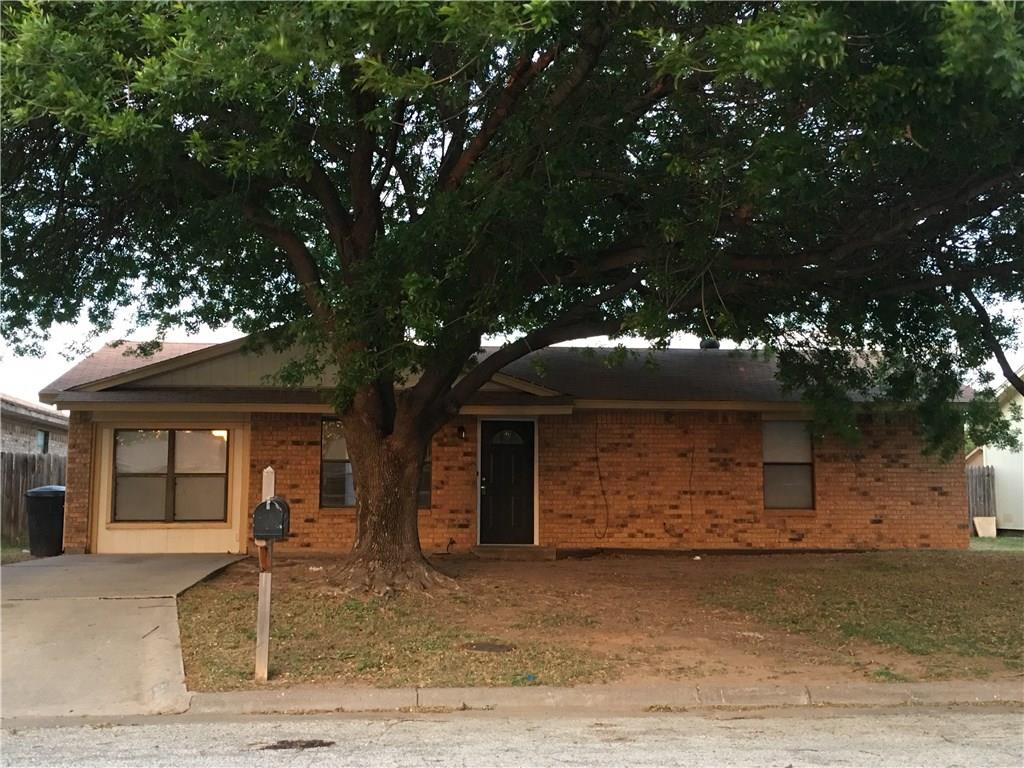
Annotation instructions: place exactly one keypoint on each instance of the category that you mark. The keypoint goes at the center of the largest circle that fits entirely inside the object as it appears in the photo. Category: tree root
(368, 575)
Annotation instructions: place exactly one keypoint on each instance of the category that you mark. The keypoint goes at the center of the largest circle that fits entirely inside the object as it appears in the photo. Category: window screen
(788, 465)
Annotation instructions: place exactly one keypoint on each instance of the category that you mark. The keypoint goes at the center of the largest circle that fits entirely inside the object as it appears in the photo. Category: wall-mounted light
(462, 432)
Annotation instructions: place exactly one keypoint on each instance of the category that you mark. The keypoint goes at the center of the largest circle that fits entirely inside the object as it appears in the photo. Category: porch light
(462, 432)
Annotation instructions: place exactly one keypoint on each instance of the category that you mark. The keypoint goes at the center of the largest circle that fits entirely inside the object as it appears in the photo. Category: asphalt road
(965, 736)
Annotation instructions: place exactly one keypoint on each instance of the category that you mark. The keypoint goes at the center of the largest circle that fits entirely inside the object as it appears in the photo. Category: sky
(23, 377)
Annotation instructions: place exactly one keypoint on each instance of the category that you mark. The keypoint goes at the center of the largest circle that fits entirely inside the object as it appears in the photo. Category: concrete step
(514, 552)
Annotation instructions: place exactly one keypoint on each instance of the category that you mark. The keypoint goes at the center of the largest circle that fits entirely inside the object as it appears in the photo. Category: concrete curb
(620, 698)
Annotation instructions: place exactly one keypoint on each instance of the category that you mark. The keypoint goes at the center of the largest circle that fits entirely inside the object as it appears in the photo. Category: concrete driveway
(96, 634)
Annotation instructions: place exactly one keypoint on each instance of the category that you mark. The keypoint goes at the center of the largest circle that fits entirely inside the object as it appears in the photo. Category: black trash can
(45, 508)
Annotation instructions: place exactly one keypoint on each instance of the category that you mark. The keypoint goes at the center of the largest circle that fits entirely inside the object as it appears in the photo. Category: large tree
(385, 184)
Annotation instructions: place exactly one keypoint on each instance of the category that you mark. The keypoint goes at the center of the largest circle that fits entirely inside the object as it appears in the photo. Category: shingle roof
(112, 360)
(578, 372)
(14, 408)
(669, 374)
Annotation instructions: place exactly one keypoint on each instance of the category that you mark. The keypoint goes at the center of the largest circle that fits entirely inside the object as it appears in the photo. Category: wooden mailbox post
(265, 553)
(270, 522)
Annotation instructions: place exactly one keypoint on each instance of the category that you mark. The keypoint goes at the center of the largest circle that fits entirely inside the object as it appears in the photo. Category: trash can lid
(46, 490)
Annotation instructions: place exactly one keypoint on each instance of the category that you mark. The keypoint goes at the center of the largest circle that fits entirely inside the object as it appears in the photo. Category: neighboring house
(702, 450)
(1008, 466)
(31, 428)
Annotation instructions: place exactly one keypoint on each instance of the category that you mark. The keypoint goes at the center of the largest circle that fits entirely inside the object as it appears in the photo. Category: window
(423, 492)
(337, 486)
(507, 437)
(42, 441)
(170, 476)
(788, 465)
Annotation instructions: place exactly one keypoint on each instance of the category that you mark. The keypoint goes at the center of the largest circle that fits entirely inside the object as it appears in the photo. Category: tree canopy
(387, 183)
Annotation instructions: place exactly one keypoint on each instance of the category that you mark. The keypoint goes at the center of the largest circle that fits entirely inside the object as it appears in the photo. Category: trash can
(45, 508)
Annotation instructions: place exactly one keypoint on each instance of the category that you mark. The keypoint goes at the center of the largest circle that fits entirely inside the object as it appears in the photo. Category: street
(949, 736)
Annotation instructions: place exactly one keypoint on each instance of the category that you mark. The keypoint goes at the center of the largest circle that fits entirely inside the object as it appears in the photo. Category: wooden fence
(981, 493)
(18, 473)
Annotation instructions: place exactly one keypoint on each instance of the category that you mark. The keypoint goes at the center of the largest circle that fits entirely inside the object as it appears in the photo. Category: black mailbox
(270, 519)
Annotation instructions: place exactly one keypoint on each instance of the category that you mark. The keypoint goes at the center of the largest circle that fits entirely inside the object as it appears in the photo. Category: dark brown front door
(506, 482)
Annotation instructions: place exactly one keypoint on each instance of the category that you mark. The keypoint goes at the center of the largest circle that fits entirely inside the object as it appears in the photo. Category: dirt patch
(722, 619)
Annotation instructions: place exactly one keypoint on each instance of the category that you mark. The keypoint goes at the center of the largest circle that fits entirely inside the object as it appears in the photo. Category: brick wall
(20, 437)
(693, 480)
(686, 480)
(78, 483)
(290, 443)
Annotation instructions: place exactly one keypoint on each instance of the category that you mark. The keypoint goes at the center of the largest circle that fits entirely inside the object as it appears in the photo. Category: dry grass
(317, 636)
(13, 553)
(877, 616)
(948, 606)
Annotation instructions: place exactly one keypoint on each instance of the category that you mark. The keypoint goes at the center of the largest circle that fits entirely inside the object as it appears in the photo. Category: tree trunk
(386, 555)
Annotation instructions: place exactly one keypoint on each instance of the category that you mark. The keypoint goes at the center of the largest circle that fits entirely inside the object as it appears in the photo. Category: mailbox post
(270, 522)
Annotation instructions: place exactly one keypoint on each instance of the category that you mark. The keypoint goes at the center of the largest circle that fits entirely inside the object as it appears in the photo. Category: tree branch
(482, 372)
(319, 135)
(408, 190)
(391, 145)
(953, 278)
(988, 334)
(365, 204)
(524, 72)
(595, 36)
(914, 212)
(339, 221)
(303, 266)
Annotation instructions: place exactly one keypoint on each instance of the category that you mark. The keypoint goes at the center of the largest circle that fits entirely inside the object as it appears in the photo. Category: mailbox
(270, 519)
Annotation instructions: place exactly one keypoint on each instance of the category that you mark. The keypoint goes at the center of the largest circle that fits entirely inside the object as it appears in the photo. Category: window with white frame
(788, 458)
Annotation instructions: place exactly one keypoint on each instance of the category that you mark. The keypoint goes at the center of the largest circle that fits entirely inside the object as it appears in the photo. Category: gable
(236, 369)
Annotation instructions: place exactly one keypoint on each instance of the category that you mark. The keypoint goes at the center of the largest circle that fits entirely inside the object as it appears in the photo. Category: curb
(665, 697)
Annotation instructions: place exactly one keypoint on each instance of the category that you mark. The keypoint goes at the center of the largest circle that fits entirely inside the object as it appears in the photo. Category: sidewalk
(664, 697)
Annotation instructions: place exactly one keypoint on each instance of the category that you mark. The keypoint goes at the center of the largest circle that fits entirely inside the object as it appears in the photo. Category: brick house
(700, 451)
(31, 428)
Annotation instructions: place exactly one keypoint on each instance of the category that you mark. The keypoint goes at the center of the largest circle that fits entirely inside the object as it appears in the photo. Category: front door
(506, 482)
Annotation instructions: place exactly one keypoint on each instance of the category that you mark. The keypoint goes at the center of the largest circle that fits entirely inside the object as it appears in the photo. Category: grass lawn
(958, 612)
(730, 619)
(999, 544)
(317, 635)
(13, 553)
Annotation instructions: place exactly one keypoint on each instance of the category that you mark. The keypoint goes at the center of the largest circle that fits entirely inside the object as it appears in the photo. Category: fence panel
(981, 493)
(18, 473)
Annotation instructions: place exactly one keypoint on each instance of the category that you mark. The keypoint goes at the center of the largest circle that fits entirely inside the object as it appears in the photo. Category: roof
(114, 359)
(23, 410)
(568, 373)
(706, 375)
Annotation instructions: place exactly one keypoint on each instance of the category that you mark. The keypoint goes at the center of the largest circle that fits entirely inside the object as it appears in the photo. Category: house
(1008, 466)
(700, 450)
(31, 428)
